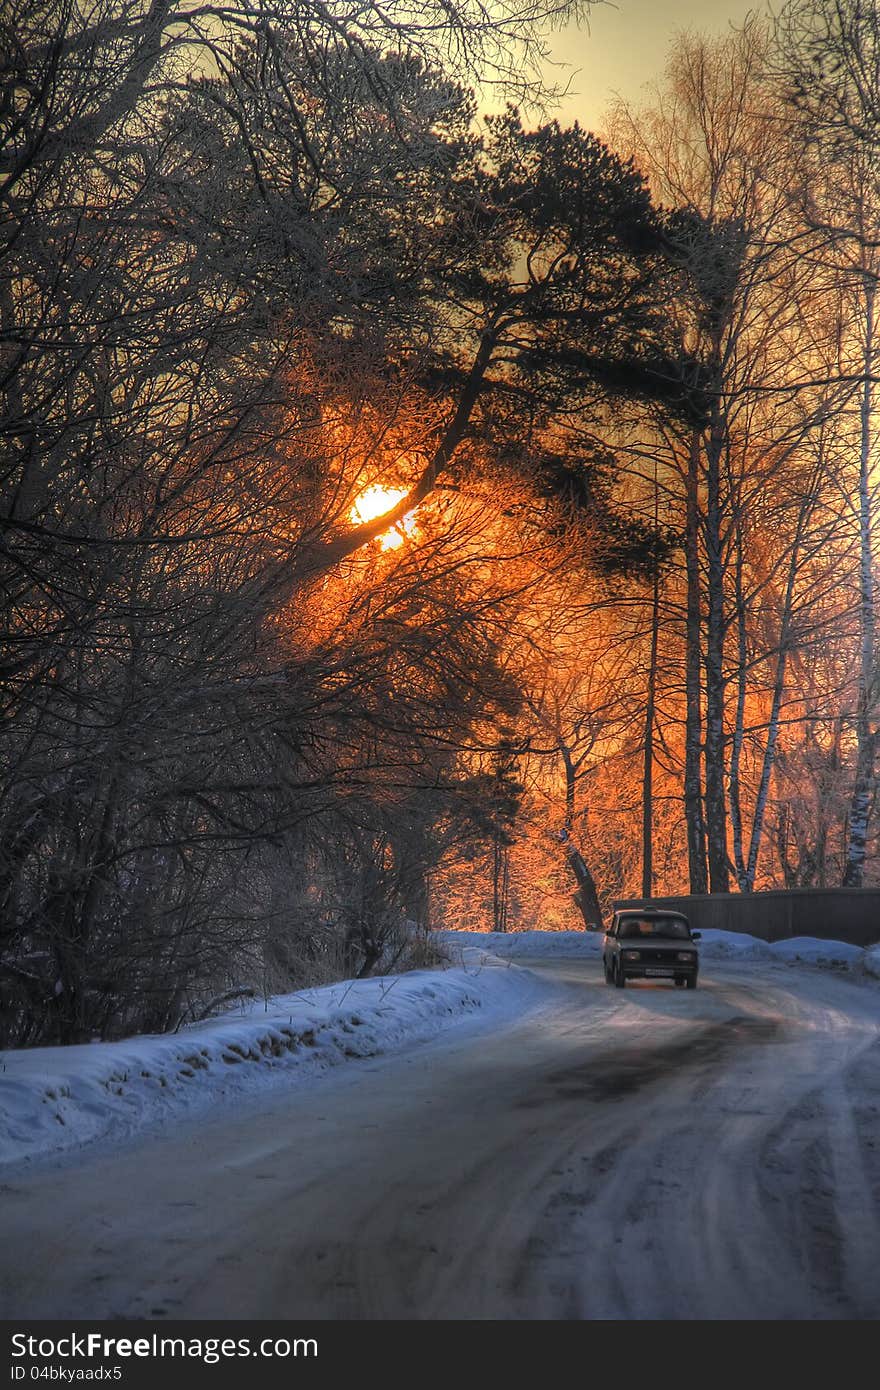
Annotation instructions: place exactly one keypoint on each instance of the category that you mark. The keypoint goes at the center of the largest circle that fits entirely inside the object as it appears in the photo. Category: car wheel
(619, 977)
(691, 981)
(608, 979)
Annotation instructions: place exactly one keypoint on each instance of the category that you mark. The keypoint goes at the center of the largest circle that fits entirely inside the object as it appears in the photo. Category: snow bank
(812, 950)
(56, 1098)
(714, 945)
(871, 962)
(797, 950)
(541, 945)
(733, 945)
(584, 945)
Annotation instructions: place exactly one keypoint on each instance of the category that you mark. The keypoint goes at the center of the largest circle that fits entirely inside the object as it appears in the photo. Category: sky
(626, 45)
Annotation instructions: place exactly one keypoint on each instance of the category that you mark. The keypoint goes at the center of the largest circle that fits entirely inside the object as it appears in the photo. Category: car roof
(649, 912)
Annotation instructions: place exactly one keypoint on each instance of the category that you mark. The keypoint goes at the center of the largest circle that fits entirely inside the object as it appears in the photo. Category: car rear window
(674, 927)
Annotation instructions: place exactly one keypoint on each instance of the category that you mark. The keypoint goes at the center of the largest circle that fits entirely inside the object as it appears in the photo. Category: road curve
(647, 1153)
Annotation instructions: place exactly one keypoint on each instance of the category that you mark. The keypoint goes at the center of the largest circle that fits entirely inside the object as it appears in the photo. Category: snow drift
(714, 945)
(55, 1098)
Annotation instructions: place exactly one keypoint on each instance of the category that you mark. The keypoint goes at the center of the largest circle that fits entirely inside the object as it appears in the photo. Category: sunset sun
(374, 502)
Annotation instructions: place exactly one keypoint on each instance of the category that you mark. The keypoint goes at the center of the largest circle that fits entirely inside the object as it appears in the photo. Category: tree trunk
(650, 707)
(736, 825)
(748, 883)
(716, 808)
(693, 798)
(586, 896)
(860, 805)
(500, 884)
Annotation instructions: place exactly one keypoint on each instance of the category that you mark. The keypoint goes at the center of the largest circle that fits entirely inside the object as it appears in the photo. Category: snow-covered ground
(54, 1099)
(645, 1153)
(543, 945)
(715, 945)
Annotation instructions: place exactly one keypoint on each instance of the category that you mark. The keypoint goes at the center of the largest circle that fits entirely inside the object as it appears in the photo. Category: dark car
(650, 944)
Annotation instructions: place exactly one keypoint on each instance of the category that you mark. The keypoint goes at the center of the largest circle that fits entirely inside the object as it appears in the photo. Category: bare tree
(828, 62)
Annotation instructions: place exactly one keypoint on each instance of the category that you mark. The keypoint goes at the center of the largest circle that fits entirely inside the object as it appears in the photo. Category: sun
(376, 500)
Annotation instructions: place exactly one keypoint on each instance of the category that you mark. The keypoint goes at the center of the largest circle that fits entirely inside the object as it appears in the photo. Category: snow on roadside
(55, 1098)
(543, 945)
(813, 950)
(734, 945)
(584, 945)
(714, 945)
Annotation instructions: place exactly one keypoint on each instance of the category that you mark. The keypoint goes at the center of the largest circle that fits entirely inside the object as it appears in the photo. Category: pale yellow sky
(626, 46)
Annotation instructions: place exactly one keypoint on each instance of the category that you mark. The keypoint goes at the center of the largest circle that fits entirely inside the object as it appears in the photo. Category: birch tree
(829, 66)
(712, 145)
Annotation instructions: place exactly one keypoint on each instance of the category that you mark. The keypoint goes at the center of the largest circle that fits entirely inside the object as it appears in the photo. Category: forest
(417, 512)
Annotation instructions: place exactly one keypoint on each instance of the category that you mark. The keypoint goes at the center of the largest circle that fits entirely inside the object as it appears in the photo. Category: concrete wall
(837, 914)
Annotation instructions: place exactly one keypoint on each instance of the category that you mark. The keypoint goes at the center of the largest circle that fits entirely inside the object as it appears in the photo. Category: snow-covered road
(651, 1153)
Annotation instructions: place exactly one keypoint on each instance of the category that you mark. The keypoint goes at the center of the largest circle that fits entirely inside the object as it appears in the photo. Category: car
(650, 944)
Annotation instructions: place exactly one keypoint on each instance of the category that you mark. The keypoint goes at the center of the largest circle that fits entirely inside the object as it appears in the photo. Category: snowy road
(651, 1153)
